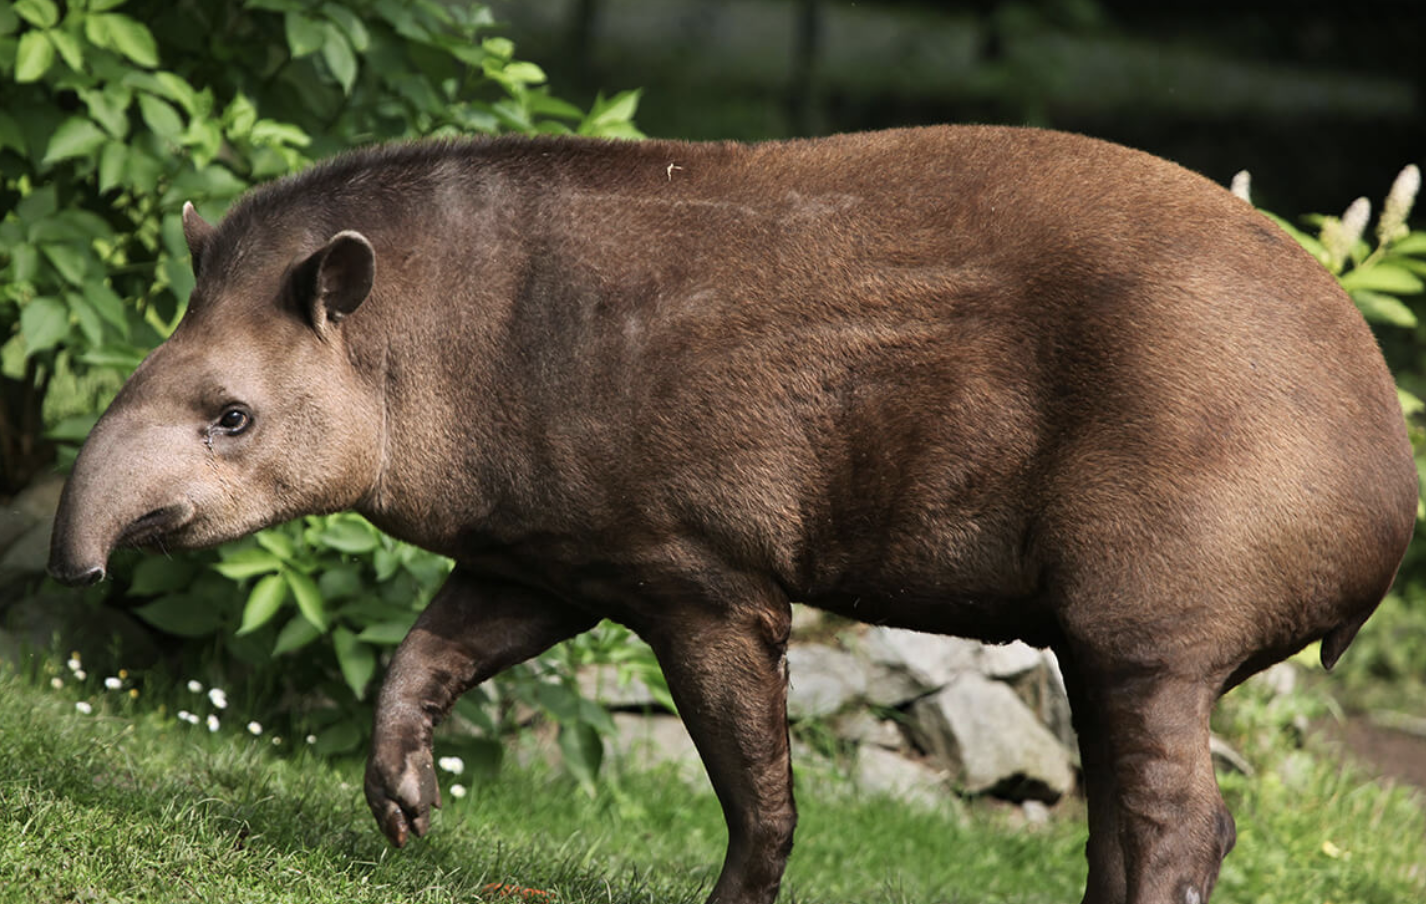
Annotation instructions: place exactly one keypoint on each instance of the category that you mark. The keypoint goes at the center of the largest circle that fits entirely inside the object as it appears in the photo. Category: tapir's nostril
(86, 577)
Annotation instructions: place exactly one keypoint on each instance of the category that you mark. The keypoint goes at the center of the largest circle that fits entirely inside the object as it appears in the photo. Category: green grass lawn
(137, 806)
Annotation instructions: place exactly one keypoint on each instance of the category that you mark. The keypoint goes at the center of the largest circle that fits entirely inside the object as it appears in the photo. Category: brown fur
(992, 382)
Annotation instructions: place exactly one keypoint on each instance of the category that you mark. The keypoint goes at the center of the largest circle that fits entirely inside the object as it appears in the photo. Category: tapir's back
(971, 361)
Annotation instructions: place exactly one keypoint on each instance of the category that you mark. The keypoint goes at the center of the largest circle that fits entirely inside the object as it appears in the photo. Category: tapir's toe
(401, 795)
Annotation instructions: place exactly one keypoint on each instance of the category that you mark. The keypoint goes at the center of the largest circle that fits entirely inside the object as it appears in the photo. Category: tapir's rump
(992, 382)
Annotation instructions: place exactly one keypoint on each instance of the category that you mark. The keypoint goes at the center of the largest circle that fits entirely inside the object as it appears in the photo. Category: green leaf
(385, 634)
(583, 752)
(607, 114)
(247, 563)
(103, 6)
(340, 583)
(1377, 307)
(183, 614)
(340, 60)
(33, 56)
(24, 263)
(350, 23)
(128, 36)
(109, 108)
(108, 305)
(160, 574)
(239, 117)
(43, 322)
(90, 326)
(340, 738)
(296, 634)
(70, 260)
(40, 13)
(11, 136)
(1410, 403)
(309, 598)
(357, 660)
(1383, 277)
(525, 73)
(277, 542)
(350, 536)
(266, 598)
(162, 118)
(1413, 245)
(304, 34)
(69, 49)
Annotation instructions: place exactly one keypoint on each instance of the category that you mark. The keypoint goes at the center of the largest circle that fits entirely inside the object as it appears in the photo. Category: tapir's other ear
(335, 280)
(196, 232)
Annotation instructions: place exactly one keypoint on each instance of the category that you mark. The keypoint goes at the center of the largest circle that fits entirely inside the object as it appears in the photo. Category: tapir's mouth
(152, 528)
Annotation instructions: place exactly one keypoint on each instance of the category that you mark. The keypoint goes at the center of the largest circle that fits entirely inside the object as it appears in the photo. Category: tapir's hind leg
(469, 632)
(726, 669)
(1158, 827)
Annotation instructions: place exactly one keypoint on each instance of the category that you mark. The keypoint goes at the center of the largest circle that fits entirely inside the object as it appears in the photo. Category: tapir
(993, 382)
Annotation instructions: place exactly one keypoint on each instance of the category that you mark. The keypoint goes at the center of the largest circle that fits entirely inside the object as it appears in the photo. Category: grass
(128, 806)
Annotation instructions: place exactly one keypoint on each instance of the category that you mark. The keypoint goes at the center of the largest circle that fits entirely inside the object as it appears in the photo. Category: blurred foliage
(116, 113)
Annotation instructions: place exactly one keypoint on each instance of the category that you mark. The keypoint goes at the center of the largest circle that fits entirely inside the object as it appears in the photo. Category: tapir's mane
(377, 182)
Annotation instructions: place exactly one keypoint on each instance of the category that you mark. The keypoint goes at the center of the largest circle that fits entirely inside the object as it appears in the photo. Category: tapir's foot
(401, 787)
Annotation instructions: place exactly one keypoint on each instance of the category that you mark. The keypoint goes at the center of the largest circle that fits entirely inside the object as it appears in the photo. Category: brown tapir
(982, 381)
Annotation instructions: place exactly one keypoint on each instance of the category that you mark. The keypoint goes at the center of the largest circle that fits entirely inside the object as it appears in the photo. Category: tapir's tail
(1336, 641)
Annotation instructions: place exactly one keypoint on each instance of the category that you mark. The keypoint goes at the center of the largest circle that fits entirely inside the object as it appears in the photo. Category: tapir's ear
(334, 281)
(196, 232)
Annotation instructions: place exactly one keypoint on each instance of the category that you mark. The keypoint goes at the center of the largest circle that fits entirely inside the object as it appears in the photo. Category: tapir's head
(254, 411)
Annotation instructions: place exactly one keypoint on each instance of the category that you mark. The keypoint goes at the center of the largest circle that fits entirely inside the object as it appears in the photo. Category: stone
(990, 742)
(822, 680)
(862, 728)
(930, 660)
(645, 742)
(879, 771)
(603, 683)
(1009, 661)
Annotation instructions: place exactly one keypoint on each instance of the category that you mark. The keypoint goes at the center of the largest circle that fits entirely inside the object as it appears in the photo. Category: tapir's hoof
(402, 792)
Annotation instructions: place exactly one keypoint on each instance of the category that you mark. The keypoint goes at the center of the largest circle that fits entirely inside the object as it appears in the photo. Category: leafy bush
(119, 111)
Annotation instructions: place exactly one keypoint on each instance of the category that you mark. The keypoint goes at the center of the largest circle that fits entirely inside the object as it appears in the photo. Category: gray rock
(930, 660)
(991, 742)
(1009, 661)
(648, 741)
(822, 680)
(879, 771)
(862, 728)
(602, 683)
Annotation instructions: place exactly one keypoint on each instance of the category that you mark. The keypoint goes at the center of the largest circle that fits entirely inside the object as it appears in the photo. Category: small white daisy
(212, 722)
(73, 662)
(254, 728)
(113, 684)
(219, 697)
(195, 687)
(57, 683)
(452, 764)
(311, 739)
(84, 707)
(80, 674)
(457, 791)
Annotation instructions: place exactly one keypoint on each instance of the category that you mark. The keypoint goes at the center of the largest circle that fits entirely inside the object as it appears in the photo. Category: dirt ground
(1387, 752)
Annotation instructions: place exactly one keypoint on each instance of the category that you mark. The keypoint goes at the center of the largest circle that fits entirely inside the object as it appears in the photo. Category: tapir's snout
(73, 575)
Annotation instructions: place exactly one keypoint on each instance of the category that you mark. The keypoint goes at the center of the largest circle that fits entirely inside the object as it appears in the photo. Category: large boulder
(989, 741)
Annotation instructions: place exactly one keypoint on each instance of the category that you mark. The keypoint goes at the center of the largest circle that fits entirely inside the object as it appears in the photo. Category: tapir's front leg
(473, 629)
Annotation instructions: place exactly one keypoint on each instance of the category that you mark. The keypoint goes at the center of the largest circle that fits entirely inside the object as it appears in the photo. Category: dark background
(1322, 102)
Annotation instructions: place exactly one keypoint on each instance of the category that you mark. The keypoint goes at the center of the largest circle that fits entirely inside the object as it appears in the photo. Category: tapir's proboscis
(999, 383)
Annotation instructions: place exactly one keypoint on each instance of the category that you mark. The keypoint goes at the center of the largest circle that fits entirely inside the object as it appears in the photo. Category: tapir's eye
(235, 420)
